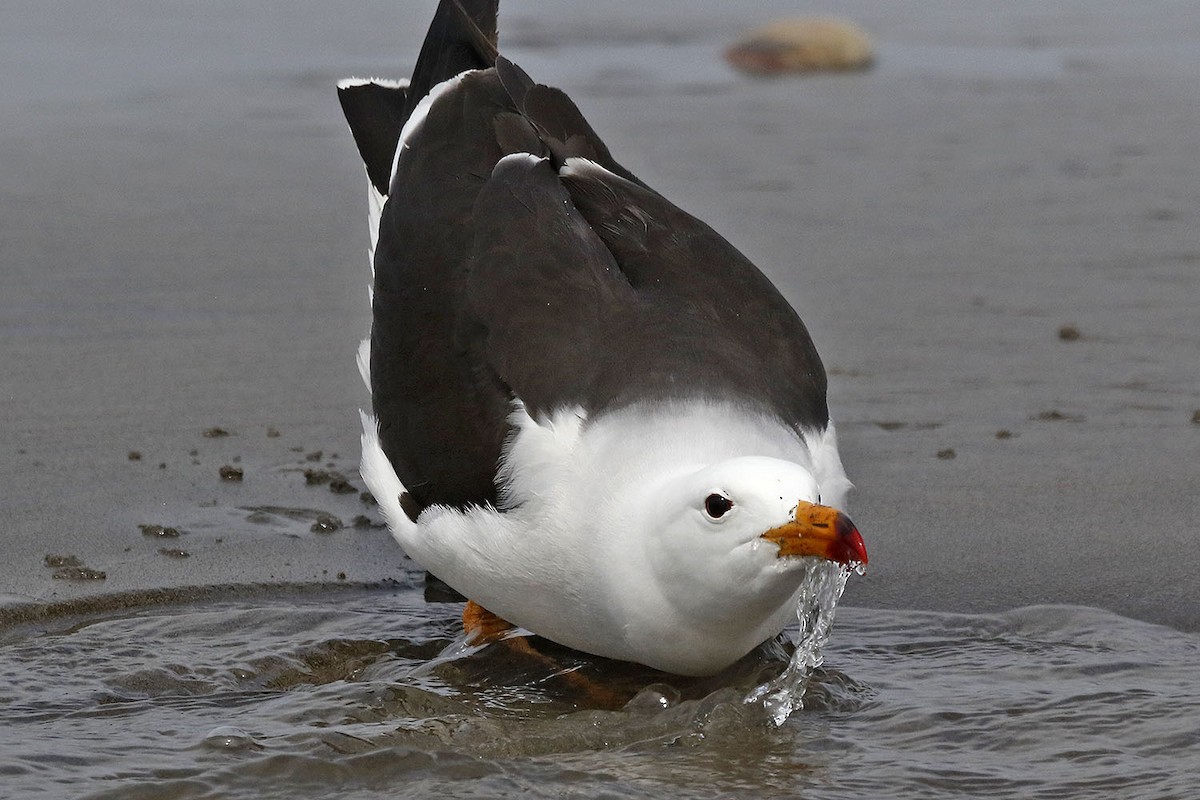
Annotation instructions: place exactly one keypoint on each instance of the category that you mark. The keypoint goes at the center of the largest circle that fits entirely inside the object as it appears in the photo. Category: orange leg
(484, 627)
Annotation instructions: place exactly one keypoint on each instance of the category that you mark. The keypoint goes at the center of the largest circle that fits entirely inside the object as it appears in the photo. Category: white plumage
(602, 543)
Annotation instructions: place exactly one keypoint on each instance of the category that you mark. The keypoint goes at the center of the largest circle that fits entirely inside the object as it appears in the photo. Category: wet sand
(184, 247)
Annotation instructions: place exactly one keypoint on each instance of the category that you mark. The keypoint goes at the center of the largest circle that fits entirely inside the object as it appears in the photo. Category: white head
(723, 549)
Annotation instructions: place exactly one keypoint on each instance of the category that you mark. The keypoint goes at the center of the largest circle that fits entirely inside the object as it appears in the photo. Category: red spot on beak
(819, 531)
(848, 548)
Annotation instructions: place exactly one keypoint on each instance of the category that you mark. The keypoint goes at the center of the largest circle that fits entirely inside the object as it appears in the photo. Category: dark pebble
(341, 576)
(229, 473)
(362, 521)
(368, 498)
(947, 454)
(340, 485)
(316, 477)
(1069, 333)
(313, 456)
(215, 433)
(159, 531)
(1054, 415)
(273, 433)
(326, 523)
(134, 455)
(1196, 417)
(174, 552)
(1004, 434)
(62, 561)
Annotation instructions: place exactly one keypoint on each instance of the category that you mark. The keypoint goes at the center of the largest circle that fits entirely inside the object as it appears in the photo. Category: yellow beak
(819, 531)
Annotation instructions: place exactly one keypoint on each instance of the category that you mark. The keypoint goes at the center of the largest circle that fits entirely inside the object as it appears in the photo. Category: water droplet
(655, 697)
(822, 586)
(227, 737)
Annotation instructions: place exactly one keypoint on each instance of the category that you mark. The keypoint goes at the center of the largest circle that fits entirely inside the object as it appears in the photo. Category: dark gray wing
(462, 36)
(442, 411)
(556, 119)
(589, 290)
(710, 322)
(542, 279)
(744, 339)
(543, 293)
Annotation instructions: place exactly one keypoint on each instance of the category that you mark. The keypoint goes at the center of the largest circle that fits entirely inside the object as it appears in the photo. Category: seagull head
(724, 547)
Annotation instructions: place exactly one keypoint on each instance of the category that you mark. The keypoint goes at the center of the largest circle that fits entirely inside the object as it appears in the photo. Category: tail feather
(462, 36)
(375, 110)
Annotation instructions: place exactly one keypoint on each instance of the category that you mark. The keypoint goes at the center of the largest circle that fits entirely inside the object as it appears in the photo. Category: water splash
(822, 587)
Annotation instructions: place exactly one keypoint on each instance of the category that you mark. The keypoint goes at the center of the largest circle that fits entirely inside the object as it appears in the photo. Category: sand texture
(184, 249)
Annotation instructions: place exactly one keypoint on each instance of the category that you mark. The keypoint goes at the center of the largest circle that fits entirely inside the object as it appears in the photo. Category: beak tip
(820, 531)
(848, 549)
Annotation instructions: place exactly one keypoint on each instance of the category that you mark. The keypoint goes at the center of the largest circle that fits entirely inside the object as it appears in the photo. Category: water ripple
(368, 693)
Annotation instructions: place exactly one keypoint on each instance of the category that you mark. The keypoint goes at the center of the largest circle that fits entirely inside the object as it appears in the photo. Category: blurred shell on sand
(802, 44)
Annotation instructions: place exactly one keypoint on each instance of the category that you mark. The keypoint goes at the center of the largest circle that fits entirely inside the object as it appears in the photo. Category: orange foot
(482, 626)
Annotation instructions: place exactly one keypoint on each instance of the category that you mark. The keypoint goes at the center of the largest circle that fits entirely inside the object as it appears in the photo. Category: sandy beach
(184, 228)
(992, 236)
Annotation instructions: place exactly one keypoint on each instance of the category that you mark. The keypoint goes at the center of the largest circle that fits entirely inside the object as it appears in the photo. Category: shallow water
(342, 690)
(184, 236)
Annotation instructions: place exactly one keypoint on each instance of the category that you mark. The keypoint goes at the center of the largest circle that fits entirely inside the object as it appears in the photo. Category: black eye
(717, 505)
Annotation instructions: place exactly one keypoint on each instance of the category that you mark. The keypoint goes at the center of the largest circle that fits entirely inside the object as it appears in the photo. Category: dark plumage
(551, 281)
